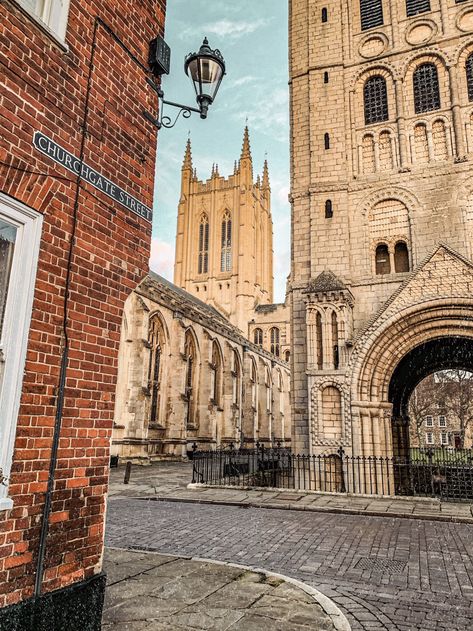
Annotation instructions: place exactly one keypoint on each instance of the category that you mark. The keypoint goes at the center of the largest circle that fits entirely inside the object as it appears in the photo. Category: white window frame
(14, 339)
(427, 441)
(52, 15)
(429, 421)
(442, 423)
(442, 435)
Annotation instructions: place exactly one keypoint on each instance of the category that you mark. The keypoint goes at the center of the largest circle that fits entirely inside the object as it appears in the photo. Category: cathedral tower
(382, 198)
(224, 241)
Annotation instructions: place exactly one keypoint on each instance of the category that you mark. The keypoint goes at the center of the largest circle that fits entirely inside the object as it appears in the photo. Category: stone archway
(441, 353)
(441, 331)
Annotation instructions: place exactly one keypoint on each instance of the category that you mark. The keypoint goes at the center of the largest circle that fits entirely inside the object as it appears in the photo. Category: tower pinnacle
(188, 156)
(246, 149)
(266, 185)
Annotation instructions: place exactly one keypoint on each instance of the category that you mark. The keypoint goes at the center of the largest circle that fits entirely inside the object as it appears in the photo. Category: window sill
(6, 503)
(44, 27)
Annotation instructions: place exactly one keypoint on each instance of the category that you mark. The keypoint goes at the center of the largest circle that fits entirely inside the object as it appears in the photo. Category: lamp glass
(206, 75)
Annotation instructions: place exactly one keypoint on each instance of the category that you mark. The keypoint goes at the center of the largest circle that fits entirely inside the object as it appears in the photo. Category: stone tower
(224, 240)
(382, 199)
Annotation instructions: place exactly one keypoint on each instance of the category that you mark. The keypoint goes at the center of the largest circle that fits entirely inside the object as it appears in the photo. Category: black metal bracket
(160, 120)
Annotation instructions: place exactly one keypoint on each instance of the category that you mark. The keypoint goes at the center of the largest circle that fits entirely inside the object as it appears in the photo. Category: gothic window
(401, 257)
(335, 349)
(320, 344)
(469, 75)
(226, 258)
(371, 14)
(190, 355)
(413, 7)
(375, 100)
(328, 209)
(203, 267)
(275, 348)
(383, 264)
(216, 374)
(156, 342)
(327, 141)
(426, 88)
(258, 337)
(287, 356)
(324, 15)
(236, 381)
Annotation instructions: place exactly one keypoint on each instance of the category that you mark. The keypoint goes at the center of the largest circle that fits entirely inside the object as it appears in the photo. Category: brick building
(382, 197)
(77, 164)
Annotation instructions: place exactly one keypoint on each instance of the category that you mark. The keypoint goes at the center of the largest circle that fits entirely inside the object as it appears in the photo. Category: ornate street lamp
(205, 69)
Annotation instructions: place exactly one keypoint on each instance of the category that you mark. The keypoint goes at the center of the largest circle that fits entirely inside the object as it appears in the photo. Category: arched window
(426, 88)
(275, 348)
(216, 374)
(401, 257)
(226, 258)
(328, 209)
(324, 15)
(469, 76)
(190, 355)
(371, 13)
(254, 384)
(375, 96)
(413, 7)
(327, 141)
(236, 379)
(383, 264)
(335, 348)
(320, 343)
(258, 337)
(156, 343)
(287, 356)
(203, 267)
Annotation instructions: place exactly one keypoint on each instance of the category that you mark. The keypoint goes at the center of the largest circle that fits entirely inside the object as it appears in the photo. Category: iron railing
(443, 473)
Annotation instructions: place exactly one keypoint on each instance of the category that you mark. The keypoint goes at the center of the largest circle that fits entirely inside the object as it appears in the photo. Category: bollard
(127, 473)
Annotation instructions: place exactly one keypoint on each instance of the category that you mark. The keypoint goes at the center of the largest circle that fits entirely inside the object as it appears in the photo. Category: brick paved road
(385, 573)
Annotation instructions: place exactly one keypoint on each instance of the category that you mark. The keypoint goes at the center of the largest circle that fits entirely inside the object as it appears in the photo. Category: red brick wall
(43, 88)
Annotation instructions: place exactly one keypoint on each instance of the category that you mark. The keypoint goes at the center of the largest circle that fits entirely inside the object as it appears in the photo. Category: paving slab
(198, 594)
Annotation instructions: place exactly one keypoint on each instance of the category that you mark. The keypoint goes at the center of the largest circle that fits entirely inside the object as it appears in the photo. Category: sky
(252, 36)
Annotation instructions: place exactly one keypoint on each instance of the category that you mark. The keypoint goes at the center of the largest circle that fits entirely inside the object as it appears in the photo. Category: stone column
(456, 112)
(401, 124)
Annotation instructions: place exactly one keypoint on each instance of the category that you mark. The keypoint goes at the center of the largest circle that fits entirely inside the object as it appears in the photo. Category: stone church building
(382, 213)
(205, 359)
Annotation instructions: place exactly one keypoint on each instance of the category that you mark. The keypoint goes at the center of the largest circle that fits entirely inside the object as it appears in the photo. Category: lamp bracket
(160, 120)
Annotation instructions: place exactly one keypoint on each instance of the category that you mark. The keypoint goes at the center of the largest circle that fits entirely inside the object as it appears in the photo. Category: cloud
(233, 29)
(162, 258)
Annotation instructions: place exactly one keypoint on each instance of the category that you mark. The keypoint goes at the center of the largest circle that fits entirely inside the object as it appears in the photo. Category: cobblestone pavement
(169, 481)
(383, 572)
(154, 592)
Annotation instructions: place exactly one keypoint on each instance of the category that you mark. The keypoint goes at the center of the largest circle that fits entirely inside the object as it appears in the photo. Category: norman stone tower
(224, 241)
(382, 197)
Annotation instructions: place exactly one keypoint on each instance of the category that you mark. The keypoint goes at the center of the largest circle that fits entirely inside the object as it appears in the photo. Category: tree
(423, 402)
(456, 390)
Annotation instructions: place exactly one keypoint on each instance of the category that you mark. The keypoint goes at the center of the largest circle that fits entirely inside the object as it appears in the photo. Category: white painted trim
(16, 324)
(52, 18)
